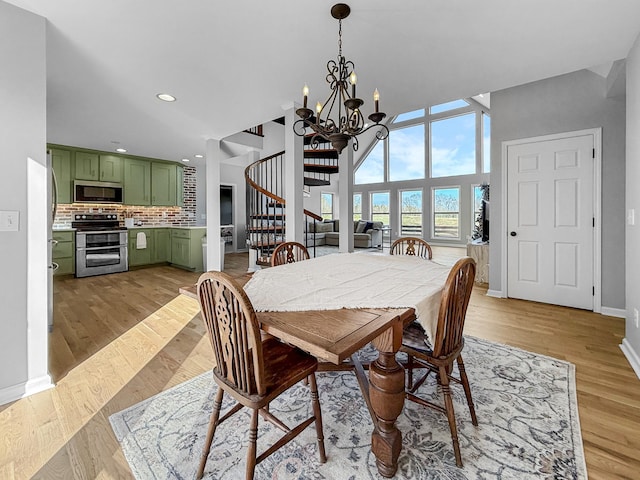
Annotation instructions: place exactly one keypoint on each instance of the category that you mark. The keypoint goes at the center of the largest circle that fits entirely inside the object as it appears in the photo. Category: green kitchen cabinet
(98, 167)
(140, 256)
(158, 248)
(110, 168)
(163, 184)
(162, 245)
(137, 182)
(186, 247)
(61, 164)
(64, 252)
(87, 166)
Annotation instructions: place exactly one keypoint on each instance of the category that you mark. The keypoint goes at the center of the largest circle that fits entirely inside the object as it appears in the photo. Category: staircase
(266, 219)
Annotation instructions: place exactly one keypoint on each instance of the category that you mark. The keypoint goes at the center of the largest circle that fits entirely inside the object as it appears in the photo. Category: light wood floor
(121, 338)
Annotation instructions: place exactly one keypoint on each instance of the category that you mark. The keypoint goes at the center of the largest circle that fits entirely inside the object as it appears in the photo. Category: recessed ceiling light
(199, 156)
(185, 159)
(165, 97)
(121, 150)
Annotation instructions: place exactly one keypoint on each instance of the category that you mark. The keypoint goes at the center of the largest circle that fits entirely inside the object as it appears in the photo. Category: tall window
(411, 213)
(406, 153)
(451, 133)
(477, 207)
(372, 168)
(380, 207)
(446, 213)
(326, 206)
(453, 146)
(357, 206)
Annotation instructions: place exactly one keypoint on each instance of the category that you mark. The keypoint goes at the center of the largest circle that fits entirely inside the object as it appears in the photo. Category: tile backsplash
(184, 216)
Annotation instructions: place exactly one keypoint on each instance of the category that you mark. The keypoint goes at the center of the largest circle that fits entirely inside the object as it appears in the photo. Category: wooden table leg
(386, 390)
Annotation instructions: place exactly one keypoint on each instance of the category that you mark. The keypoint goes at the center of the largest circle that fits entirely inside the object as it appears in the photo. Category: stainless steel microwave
(96, 192)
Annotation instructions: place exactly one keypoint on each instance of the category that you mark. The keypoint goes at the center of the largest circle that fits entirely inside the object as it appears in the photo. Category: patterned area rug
(526, 407)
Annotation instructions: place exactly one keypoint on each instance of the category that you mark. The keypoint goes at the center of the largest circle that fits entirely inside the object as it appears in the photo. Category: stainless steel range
(101, 244)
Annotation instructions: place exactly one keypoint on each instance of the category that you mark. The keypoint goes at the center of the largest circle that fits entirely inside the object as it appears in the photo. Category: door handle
(513, 234)
(54, 266)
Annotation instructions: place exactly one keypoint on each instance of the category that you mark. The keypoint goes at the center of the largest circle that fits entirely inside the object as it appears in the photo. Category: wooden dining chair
(289, 252)
(447, 347)
(252, 370)
(411, 246)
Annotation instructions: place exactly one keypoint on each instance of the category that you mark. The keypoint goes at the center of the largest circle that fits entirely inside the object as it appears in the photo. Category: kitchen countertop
(164, 226)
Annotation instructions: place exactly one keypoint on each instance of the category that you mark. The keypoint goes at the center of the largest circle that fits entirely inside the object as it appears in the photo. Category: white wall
(570, 102)
(23, 254)
(631, 342)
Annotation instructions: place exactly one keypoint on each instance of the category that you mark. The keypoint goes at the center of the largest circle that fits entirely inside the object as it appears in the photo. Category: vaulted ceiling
(236, 64)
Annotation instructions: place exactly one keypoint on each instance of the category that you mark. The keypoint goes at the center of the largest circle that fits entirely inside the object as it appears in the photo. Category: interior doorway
(552, 219)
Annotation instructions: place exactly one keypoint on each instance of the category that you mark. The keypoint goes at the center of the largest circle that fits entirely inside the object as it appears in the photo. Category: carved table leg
(386, 389)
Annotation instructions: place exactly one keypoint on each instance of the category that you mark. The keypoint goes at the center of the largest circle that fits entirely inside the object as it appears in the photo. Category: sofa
(365, 234)
(316, 231)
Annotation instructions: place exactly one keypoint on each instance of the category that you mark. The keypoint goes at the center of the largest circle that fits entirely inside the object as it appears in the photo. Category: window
(380, 207)
(486, 143)
(477, 209)
(357, 206)
(406, 153)
(326, 206)
(411, 213)
(446, 213)
(453, 146)
(372, 168)
(409, 116)
(443, 107)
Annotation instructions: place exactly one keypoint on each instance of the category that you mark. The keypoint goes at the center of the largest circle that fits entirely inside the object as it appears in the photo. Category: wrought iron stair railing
(266, 218)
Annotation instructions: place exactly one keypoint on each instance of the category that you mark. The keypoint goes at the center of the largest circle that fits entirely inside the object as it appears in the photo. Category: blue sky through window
(409, 116)
(443, 107)
(372, 168)
(406, 153)
(453, 146)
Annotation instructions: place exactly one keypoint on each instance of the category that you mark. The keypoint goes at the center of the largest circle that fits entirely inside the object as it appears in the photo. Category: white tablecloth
(352, 280)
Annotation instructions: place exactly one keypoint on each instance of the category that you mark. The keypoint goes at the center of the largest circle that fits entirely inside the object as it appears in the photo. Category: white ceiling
(235, 64)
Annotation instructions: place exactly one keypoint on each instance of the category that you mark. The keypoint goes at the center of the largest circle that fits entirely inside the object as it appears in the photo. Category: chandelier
(339, 118)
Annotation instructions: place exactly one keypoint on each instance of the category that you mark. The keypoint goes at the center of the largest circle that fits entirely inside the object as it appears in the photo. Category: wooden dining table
(334, 335)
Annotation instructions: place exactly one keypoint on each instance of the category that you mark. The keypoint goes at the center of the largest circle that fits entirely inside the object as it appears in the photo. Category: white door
(550, 221)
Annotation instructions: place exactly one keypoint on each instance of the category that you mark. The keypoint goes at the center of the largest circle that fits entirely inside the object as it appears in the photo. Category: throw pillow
(361, 227)
(368, 227)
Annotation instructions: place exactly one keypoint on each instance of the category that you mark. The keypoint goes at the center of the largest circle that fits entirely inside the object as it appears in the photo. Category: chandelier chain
(339, 38)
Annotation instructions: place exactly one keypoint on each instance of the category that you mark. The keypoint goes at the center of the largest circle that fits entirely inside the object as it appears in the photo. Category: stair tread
(319, 168)
(315, 182)
(270, 243)
(321, 153)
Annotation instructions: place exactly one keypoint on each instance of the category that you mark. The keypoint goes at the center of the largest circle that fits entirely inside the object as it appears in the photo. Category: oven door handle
(101, 248)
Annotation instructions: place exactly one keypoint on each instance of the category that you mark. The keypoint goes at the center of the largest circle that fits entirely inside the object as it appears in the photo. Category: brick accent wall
(184, 216)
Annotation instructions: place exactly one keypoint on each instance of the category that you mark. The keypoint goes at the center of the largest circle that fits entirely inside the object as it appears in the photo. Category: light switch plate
(9, 220)
(631, 216)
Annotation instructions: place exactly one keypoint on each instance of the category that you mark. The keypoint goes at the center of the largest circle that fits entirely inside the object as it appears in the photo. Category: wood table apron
(333, 336)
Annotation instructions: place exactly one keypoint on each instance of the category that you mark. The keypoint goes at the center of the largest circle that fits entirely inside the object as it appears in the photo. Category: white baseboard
(495, 293)
(21, 390)
(632, 356)
(614, 312)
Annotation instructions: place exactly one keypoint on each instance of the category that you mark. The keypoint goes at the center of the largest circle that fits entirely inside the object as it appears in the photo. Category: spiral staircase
(266, 206)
